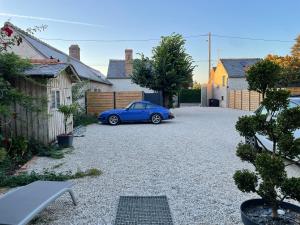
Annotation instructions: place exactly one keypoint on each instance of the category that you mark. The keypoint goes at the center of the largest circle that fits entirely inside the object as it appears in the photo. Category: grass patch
(26, 178)
(83, 119)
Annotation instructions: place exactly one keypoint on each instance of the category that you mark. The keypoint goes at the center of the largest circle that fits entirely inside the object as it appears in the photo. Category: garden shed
(53, 82)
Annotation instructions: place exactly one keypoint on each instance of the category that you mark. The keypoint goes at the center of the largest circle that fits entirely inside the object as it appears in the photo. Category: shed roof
(236, 68)
(84, 71)
(116, 69)
(50, 70)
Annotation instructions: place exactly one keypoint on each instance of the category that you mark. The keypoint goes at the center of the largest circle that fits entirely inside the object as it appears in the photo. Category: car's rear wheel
(251, 141)
(113, 120)
(156, 118)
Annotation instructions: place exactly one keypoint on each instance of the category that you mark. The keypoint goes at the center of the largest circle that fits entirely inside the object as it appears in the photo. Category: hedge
(190, 96)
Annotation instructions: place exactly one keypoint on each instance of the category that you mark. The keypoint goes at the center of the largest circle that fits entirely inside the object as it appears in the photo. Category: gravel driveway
(191, 159)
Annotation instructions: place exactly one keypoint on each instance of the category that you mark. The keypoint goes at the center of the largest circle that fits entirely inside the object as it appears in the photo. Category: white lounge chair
(20, 206)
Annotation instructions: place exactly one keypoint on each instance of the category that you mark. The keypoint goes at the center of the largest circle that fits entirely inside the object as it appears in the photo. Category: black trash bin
(214, 102)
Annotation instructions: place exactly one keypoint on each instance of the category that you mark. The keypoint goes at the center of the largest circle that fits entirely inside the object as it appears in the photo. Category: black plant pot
(259, 202)
(65, 140)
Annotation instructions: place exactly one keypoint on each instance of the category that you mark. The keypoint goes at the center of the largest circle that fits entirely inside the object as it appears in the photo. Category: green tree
(196, 85)
(270, 179)
(290, 68)
(296, 48)
(263, 75)
(12, 69)
(169, 69)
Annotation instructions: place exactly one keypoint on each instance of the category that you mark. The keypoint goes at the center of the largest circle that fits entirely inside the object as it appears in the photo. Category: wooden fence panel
(231, 99)
(238, 99)
(100, 101)
(124, 98)
(255, 99)
(294, 90)
(245, 100)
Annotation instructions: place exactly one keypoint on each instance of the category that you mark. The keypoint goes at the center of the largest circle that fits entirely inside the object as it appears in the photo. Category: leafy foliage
(245, 180)
(84, 119)
(11, 69)
(246, 152)
(296, 48)
(270, 179)
(169, 69)
(78, 90)
(190, 95)
(290, 68)
(27, 178)
(68, 111)
(263, 75)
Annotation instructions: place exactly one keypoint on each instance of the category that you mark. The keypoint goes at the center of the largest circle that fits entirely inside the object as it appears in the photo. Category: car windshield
(129, 105)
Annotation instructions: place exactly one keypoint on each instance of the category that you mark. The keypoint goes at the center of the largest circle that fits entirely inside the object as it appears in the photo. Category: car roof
(141, 102)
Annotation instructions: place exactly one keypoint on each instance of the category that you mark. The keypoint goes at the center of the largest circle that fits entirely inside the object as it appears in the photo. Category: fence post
(114, 99)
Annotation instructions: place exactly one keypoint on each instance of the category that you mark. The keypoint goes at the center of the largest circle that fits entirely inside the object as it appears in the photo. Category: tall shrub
(270, 179)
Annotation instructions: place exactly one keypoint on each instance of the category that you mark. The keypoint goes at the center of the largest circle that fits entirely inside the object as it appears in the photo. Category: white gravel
(191, 159)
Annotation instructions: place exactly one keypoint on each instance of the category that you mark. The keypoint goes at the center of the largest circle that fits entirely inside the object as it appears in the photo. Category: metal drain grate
(142, 210)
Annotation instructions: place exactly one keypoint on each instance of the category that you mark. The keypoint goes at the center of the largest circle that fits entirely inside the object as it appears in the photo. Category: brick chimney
(74, 51)
(128, 62)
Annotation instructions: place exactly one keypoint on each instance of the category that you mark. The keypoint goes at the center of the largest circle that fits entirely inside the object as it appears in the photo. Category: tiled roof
(48, 70)
(48, 51)
(116, 69)
(236, 67)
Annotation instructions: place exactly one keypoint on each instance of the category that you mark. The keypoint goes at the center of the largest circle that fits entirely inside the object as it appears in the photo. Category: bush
(27, 178)
(190, 95)
(82, 119)
(18, 150)
(3, 154)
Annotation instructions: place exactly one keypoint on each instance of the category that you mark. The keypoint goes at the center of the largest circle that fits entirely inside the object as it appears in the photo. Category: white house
(119, 72)
(229, 74)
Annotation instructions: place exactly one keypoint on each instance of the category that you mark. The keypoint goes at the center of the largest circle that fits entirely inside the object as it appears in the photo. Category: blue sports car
(138, 111)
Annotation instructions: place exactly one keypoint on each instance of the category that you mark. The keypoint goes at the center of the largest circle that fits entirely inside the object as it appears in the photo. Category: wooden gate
(100, 101)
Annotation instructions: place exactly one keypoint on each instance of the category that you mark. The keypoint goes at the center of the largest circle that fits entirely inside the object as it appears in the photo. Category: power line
(116, 40)
(195, 61)
(252, 39)
(157, 39)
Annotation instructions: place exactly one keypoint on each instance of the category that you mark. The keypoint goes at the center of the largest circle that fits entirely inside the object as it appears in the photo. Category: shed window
(55, 99)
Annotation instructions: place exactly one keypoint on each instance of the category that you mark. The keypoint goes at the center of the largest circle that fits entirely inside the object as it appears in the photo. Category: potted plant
(270, 180)
(66, 140)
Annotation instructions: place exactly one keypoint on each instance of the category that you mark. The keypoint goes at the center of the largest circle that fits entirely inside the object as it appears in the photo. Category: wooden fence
(250, 100)
(100, 101)
(244, 100)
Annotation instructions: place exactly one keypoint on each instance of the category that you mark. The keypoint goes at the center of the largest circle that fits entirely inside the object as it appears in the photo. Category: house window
(222, 98)
(223, 81)
(55, 99)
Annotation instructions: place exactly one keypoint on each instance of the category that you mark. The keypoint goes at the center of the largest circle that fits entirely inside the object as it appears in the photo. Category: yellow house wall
(220, 92)
(219, 73)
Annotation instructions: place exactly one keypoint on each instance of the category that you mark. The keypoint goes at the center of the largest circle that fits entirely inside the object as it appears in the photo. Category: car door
(136, 112)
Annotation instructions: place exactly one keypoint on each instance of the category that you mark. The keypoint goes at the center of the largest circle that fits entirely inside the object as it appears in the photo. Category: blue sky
(141, 19)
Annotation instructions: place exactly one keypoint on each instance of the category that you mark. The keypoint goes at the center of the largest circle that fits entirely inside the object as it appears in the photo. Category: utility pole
(209, 54)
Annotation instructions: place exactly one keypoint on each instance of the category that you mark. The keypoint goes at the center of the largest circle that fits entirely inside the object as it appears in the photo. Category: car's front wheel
(156, 118)
(113, 120)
